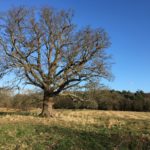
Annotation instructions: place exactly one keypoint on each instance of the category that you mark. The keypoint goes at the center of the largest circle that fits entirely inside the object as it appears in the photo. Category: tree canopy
(44, 48)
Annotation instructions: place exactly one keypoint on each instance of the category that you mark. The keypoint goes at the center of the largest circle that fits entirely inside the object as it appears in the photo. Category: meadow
(74, 130)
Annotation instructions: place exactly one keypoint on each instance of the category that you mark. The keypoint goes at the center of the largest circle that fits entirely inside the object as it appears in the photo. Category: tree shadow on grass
(104, 139)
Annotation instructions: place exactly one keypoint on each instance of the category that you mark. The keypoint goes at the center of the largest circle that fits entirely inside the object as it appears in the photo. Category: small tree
(43, 48)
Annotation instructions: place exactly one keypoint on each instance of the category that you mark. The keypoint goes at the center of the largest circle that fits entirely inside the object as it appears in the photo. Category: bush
(20, 102)
(88, 104)
(5, 98)
(105, 104)
(64, 103)
(78, 105)
(26, 101)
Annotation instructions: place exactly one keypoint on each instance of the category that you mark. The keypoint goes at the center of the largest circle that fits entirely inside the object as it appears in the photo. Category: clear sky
(128, 25)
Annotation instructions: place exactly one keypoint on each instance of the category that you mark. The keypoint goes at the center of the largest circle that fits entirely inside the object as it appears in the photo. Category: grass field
(74, 130)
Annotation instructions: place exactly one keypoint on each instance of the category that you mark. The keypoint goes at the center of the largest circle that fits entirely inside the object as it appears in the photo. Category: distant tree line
(91, 99)
(108, 100)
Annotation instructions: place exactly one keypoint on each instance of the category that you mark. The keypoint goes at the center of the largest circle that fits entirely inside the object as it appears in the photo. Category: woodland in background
(93, 99)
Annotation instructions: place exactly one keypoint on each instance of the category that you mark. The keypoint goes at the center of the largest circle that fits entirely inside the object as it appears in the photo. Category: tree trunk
(47, 108)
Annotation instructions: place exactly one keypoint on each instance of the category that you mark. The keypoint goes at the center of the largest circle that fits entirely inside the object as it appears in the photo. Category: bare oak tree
(43, 48)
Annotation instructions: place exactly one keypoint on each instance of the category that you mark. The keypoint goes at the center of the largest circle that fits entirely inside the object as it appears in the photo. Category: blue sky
(128, 25)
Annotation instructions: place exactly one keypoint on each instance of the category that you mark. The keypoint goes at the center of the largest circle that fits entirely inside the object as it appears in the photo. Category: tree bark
(47, 107)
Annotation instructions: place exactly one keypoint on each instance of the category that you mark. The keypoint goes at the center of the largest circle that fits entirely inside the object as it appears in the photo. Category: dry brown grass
(73, 118)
